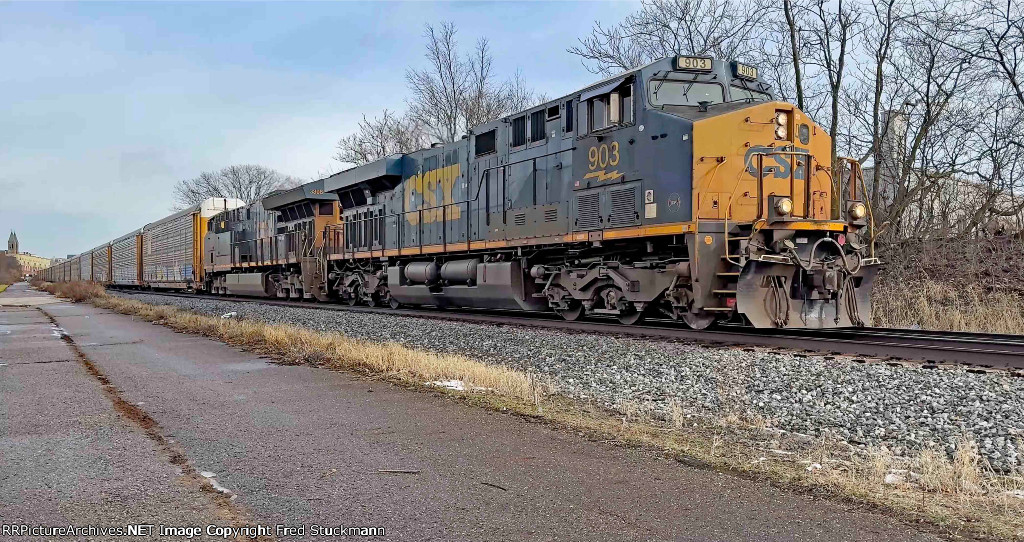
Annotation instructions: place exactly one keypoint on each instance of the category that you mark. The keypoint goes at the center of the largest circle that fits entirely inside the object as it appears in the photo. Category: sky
(107, 105)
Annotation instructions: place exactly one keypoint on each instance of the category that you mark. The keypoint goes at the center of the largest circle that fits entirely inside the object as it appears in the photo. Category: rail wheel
(697, 321)
(353, 299)
(573, 313)
(615, 302)
(631, 317)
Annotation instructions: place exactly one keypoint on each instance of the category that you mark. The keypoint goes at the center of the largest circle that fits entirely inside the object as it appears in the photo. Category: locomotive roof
(386, 171)
(309, 191)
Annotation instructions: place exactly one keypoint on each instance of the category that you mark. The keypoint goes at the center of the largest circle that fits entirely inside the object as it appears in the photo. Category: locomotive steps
(957, 493)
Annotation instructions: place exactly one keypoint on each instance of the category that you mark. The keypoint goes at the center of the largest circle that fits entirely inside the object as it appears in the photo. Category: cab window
(612, 109)
(740, 93)
(672, 92)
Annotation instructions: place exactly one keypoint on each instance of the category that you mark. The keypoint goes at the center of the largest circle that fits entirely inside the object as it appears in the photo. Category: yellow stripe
(820, 226)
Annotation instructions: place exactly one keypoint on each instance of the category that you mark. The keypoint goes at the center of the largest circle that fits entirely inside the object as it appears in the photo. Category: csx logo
(421, 193)
(774, 165)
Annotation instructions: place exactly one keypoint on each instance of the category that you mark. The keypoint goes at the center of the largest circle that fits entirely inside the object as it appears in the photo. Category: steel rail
(976, 350)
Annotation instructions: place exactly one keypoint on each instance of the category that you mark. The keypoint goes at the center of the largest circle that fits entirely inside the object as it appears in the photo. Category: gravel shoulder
(904, 409)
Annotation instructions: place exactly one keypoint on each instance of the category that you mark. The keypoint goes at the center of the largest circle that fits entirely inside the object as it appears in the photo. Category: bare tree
(829, 43)
(379, 137)
(438, 91)
(794, 48)
(486, 98)
(450, 96)
(922, 154)
(456, 92)
(10, 269)
(661, 28)
(246, 182)
(1000, 27)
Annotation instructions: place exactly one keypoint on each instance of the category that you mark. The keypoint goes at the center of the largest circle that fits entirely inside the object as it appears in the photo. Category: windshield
(740, 93)
(670, 92)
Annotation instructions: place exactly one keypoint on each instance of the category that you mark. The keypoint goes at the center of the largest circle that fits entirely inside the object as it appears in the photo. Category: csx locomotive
(680, 189)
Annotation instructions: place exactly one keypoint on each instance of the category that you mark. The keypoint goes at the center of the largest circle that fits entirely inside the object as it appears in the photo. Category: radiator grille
(588, 211)
(623, 207)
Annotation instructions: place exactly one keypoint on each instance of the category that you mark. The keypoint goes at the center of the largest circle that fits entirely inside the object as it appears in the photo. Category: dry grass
(75, 292)
(952, 285)
(931, 304)
(297, 345)
(960, 495)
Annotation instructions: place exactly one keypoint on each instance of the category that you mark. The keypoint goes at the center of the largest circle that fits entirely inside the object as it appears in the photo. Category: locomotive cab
(778, 231)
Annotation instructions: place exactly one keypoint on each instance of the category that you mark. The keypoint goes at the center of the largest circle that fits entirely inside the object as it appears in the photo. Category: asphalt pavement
(107, 420)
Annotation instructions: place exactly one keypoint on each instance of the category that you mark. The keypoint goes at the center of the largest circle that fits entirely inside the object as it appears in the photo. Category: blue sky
(107, 105)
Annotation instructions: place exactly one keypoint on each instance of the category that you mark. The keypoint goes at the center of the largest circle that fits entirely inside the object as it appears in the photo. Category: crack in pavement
(226, 507)
(38, 362)
(97, 345)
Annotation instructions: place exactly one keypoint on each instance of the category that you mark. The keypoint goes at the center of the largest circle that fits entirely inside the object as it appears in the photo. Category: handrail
(696, 215)
(523, 161)
(792, 179)
(443, 207)
(857, 173)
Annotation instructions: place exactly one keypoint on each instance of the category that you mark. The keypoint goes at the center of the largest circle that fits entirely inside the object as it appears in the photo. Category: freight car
(680, 189)
(163, 254)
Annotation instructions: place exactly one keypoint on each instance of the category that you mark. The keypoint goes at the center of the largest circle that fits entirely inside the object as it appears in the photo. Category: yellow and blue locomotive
(680, 189)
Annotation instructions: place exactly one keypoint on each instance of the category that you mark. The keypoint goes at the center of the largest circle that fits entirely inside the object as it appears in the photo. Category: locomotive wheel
(354, 299)
(630, 318)
(697, 321)
(572, 314)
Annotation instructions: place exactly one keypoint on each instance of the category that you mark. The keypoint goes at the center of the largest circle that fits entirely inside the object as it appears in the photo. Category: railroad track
(932, 349)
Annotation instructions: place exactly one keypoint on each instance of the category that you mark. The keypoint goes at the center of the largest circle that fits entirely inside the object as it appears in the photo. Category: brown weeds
(297, 345)
(75, 292)
(930, 304)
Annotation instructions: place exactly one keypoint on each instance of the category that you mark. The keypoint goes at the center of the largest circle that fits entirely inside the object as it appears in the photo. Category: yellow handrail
(696, 217)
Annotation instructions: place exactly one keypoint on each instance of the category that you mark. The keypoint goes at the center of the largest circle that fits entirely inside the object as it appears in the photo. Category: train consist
(680, 189)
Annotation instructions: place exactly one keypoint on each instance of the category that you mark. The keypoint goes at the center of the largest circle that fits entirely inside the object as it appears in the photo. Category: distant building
(30, 263)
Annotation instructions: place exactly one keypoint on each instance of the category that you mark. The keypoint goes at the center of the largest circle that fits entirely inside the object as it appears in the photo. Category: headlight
(780, 132)
(781, 118)
(784, 206)
(858, 211)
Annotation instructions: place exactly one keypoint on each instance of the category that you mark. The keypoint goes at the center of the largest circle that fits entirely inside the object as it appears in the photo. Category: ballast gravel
(903, 408)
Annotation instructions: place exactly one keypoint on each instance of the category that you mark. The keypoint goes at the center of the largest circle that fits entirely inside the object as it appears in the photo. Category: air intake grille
(588, 211)
(623, 207)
